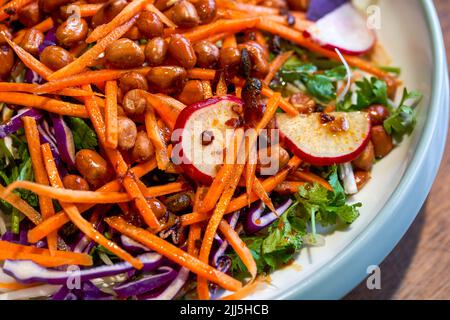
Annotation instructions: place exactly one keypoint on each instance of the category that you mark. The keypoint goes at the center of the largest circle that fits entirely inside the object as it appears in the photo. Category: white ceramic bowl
(411, 33)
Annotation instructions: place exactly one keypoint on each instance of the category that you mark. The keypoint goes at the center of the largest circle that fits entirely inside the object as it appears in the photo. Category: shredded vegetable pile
(177, 149)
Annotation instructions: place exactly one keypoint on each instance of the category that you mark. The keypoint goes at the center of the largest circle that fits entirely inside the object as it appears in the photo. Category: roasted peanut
(382, 142)
(127, 133)
(124, 54)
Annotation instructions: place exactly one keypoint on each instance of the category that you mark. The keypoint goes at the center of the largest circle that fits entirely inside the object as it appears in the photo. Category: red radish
(201, 133)
(345, 29)
(315, 138)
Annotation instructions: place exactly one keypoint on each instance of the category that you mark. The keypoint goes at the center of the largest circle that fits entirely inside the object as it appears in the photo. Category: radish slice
(345, 29)
(200, 159)
(314, 141)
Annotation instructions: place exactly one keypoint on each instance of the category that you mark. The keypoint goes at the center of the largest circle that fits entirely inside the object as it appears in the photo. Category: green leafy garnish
(403, 119)
(281, 241)
(83, 136)
(369, 92)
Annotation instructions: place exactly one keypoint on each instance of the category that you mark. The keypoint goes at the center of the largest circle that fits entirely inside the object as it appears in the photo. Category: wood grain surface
(419, 267)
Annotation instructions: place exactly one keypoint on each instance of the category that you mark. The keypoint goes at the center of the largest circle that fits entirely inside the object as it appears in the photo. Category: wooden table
(419, 267)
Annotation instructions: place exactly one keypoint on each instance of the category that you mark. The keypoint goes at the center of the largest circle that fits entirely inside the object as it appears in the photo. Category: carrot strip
(288, 187)
(276, 64)
(260, 39)
(286, 106)
(241, 201)
(76, 217)
(45, 25)
(195, 230)
(47, 104)
(17, 87)
(12, 7)
(153, 132)
(14, 286)
(85, 78)
(89, 9)
(130, 10)
(174, 253)
(112, 130)
(40, 175)
(202, 74)
(30, 61)
(68, 195)
(229, 41)
(244, 292)
(119, 164)
(250, 171)
(161, 16)
(219, 211)
(254, 9)
(13, 251)
(240, 247)
(313, 178)
(58, 220)
(216, 37)
(298, 38)
(167, 108)
(21, 205)
(163, 190)
(222, 177)
(219, 26)
(89, 56)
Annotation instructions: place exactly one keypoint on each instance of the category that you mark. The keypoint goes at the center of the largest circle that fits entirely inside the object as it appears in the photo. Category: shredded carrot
(112, 130)
(241, 201)
(229, 41)
(40, 175)
(239, 247)
(298, 38)
(288, 187)
(17, 87)
(58, 220)
(219, 26)
(13, 251)
(119, 164)
(85, 78)
(162, 16)
(260, 39)
(166, 189)
(30, 61)
(276, 64)
(216, 37)
(89, 56)
(45, 25)
(12, 7)
(254, 9)
(313, 178)
(68, 195)
(21, 205)
(174, 253)
(286, 106)
(153, 132)
(89, 9)
(219, 211)
(250, 171)
(244, 292)
(222, 177)
(167, 108)
(47, 104)
(11, 286)
(130, 10)
(75, 216)
(195, 230)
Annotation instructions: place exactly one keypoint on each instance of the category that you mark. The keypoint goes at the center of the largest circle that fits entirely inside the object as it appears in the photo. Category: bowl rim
(347, 269)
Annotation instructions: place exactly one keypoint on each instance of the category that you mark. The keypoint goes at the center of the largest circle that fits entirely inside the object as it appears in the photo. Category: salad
(176, 149)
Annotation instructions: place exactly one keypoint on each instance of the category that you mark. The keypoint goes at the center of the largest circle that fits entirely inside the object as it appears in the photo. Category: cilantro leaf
(83, 136)
(403, 120)
(368, 92)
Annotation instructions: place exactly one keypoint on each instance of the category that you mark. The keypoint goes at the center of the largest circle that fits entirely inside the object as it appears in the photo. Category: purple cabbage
(49, 40)
(131, 245)
(320, 8)
(26, 271)
(256, 222)
(147, 283)
(64, 140)
(88, 291)
(15, 123)
(47, 137)
(170, 290)
(32, 77)
(223, 244)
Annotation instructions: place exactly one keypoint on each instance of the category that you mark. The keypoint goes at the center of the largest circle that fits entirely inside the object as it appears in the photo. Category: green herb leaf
(83, 136)
(403, 120)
